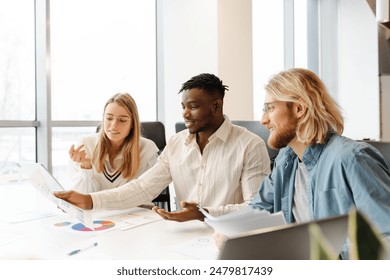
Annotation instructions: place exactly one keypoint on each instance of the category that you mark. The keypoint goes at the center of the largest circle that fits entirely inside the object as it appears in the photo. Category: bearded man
(318, 173)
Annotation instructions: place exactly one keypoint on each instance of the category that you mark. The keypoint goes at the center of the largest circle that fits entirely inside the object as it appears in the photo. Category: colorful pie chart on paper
(99, 225)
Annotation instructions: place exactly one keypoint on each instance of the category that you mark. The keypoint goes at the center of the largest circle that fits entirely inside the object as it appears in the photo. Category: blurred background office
(60, 61)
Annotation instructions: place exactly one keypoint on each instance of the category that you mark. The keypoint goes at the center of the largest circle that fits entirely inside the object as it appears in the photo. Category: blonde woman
(117, 153)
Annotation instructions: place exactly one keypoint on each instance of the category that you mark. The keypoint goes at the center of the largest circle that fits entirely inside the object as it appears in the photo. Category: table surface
(31, 227)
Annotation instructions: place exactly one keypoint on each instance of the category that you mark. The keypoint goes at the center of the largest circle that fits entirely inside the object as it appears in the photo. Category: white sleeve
(82, 179)
(142, 190)
(149, 153)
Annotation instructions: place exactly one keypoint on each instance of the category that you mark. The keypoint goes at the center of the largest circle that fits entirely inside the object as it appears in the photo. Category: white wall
(215, 36)
(358, 92)
(235, 57)
(190, 44)
(211, 36)
(268, 47)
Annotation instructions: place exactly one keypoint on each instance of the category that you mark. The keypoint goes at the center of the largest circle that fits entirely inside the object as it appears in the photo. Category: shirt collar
(222, 132)
(312, 153)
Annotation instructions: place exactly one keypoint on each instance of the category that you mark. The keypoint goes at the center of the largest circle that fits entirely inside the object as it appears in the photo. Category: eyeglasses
(121, 120)
(268, 107)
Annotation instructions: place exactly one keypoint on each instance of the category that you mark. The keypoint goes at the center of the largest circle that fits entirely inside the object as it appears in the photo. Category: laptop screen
(289, 242)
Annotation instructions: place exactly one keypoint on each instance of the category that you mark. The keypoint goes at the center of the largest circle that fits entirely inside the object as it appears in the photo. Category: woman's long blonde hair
(131, 146)
(303, 87)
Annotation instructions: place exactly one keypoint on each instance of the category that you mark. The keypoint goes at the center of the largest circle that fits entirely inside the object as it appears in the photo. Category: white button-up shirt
(222, 179)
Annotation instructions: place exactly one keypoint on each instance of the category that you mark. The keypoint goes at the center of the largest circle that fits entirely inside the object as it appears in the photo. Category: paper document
(46, 184)
(129, 218)
(246, 219)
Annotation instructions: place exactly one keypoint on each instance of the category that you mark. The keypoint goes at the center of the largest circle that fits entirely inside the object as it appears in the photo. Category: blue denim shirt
(342, 174)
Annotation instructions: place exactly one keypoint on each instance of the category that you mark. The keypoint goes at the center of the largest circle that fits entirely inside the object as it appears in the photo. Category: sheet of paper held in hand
(46, 184)
(243, 220)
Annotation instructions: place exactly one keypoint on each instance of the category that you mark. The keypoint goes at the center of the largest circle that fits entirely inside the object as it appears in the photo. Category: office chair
(254, 127)
(155, 131)
(99, 126)
(382, 147)
(179, 126)
(257, 128)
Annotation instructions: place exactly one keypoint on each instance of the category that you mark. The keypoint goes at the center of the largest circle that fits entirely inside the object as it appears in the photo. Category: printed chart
(99, 225)
(117, 221)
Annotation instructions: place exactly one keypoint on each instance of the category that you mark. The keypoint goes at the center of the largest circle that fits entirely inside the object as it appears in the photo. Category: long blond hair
(131, 146)
(303, 87)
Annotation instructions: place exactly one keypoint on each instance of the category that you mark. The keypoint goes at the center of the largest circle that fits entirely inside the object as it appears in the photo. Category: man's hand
(189, 212)
(83, 201)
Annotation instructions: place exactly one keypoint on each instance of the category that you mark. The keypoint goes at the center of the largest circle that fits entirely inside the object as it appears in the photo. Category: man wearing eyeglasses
(318, 173)
(213, 164)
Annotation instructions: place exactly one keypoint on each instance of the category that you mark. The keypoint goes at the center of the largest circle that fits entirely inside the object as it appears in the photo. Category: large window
(268, 47)
(17, 68)
(91, 60)
(280, 41)
(113, 51)
(17, 83)
(300, 34)
(94, 49)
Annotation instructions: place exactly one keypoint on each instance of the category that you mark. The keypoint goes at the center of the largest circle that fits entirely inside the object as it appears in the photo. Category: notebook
(46, 184)
(288, 242)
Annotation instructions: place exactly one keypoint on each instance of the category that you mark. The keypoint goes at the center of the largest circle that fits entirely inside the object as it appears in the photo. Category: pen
(74, 252)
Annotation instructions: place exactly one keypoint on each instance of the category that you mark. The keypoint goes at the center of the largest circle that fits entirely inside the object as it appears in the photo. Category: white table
(42, 238)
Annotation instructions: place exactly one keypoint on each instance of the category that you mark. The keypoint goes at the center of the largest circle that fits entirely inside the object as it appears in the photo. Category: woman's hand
(80, 156)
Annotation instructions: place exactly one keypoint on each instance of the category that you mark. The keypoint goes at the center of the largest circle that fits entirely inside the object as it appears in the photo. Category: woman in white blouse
(117, 153)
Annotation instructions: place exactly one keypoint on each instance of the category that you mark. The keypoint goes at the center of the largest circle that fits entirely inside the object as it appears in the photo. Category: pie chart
(99, 225)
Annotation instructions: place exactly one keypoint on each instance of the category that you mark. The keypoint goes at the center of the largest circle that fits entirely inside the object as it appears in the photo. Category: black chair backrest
(154, 131)
(257, 128)
(383, 148)
(254, 126)
(179, 126)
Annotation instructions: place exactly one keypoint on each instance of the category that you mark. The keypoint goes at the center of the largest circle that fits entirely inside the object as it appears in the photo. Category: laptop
(46, 184)
(288, 242)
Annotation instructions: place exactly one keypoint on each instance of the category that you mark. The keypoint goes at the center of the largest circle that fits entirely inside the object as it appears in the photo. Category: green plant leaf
(366, 243)
(320, 248)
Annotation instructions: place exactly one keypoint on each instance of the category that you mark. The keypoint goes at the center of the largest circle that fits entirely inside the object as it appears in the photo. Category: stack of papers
(244, 220)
